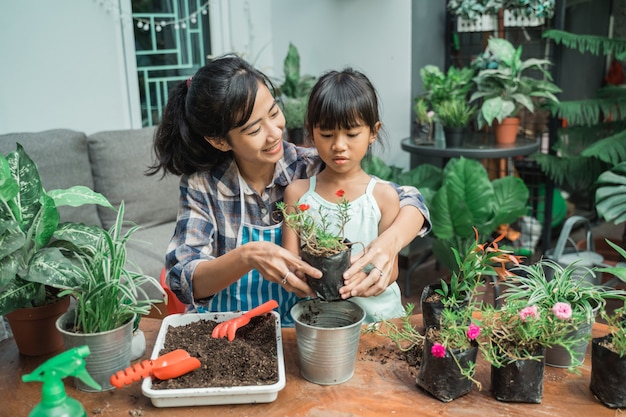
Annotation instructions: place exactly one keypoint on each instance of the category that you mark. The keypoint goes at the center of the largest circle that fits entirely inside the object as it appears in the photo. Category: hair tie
(189, 81)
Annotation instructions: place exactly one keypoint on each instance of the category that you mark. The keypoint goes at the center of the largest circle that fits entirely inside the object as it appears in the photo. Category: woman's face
(259, 140)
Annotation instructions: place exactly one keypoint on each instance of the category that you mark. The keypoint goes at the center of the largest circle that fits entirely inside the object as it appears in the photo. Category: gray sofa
(112, 163)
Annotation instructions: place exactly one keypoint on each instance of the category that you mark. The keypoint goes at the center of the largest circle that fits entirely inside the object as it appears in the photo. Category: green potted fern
(455, 115)
(32, 237)
(504, 88)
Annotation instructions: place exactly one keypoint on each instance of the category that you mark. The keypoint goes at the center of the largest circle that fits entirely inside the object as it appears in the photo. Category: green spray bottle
(54, 400)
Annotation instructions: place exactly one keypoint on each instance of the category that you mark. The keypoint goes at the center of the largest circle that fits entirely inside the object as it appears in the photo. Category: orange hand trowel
(229, 327)
(170, 365)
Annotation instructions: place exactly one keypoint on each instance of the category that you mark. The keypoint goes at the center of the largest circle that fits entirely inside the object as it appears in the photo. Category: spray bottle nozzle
(54, 400)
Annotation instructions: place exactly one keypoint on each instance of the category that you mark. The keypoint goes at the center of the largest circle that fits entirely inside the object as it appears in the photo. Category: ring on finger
(379, 270)
(284, 281)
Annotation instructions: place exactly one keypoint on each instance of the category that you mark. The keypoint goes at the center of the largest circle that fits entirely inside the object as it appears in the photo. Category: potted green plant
(468, 199)
(110, 297)
(513, 338)
(30, 234)
(531, 283)
(504, 88)
(323, 243)
(439, 86)
(295, 90)
(608, 352)
(455, 115)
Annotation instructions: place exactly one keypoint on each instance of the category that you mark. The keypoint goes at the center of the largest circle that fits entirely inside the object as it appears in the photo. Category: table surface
(476, 146)
(382, 384)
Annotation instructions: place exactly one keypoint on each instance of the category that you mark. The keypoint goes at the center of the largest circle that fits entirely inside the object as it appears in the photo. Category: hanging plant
(473, 10)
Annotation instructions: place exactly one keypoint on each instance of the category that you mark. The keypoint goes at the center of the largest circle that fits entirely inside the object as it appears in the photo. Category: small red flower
(303, 207)
(438, 350)
(340, 193)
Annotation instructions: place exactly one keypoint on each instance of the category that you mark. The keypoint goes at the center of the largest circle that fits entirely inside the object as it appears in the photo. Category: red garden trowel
(229, 327)
(170, 365)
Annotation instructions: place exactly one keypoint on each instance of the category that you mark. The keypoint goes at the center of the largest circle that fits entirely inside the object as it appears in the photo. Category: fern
(577, 172)
(611, 150)
(596, 45)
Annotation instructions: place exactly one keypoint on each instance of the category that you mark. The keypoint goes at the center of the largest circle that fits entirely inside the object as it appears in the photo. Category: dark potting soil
(250, 359)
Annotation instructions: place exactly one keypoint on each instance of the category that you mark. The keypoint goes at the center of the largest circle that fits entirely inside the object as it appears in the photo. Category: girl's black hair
(217, 99)
(339, 99)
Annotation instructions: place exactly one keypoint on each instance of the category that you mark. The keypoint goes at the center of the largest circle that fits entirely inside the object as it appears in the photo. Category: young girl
(343, 122)
(222, 130)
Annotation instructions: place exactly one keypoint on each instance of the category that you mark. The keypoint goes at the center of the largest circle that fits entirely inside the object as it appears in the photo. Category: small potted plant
(439, 86)
(323, 244)
(478, 261)
(31, 234)
(449, 355)
(295, 90)
(455, 115)
(513, 338)
(530, 282)
(608, 352)
(110, 299)
(504, 88)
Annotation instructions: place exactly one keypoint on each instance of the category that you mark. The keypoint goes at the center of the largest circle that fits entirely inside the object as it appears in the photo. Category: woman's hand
(279, 265)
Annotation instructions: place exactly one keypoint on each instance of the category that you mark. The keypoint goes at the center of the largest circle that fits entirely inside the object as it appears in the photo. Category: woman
(222, 130)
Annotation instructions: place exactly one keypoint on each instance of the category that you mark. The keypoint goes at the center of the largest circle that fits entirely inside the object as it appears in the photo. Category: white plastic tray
(216, 395)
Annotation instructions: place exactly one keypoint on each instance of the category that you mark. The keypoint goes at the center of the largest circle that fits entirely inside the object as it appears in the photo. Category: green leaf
(31, 191)
(17, 294)
(77, 196)
(50, 267)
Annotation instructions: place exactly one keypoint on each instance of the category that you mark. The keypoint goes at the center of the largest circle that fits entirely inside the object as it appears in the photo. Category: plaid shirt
(209, 216)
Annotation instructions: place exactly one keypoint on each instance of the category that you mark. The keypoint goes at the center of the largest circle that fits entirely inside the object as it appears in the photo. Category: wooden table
(382, 385)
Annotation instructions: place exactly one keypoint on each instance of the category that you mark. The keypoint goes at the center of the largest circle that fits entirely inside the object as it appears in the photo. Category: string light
(141, 23)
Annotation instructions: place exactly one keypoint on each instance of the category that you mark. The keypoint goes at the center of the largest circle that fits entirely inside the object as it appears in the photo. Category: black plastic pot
(520, 381)
(608, 374)
(454, 136)
(441, 377)
(431, 311)
(332, 267)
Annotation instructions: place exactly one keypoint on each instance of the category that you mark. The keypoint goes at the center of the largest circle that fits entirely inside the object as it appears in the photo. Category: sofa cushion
(63, 162)
(119, 160)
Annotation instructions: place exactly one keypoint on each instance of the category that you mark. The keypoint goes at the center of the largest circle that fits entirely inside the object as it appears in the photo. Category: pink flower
(473, 332)
(438, 350)
(530, 311)
(563, 311)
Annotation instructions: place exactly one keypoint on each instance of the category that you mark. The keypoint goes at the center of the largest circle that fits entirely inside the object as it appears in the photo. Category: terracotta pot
(34, 329)
(332, 267)
(506, 132)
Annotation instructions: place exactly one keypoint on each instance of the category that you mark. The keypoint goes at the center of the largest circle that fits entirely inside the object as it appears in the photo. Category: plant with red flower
(321, 232)
(479, 260)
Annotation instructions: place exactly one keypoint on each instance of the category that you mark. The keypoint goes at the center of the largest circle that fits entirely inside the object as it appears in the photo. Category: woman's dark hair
(339, 99)
(217, 99)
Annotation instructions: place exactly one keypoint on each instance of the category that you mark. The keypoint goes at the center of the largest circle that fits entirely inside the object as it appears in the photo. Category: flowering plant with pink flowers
(518, 330)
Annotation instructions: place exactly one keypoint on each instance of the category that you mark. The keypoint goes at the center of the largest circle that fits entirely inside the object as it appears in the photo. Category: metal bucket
(327, 334)
(564, 256)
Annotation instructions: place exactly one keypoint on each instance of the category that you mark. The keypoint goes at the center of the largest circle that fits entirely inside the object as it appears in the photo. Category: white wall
(62, 67)
(63, 61)
(369, 35)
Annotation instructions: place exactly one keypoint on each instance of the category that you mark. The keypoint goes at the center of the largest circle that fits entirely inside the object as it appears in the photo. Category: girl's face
(343, 149)
(259, 140)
